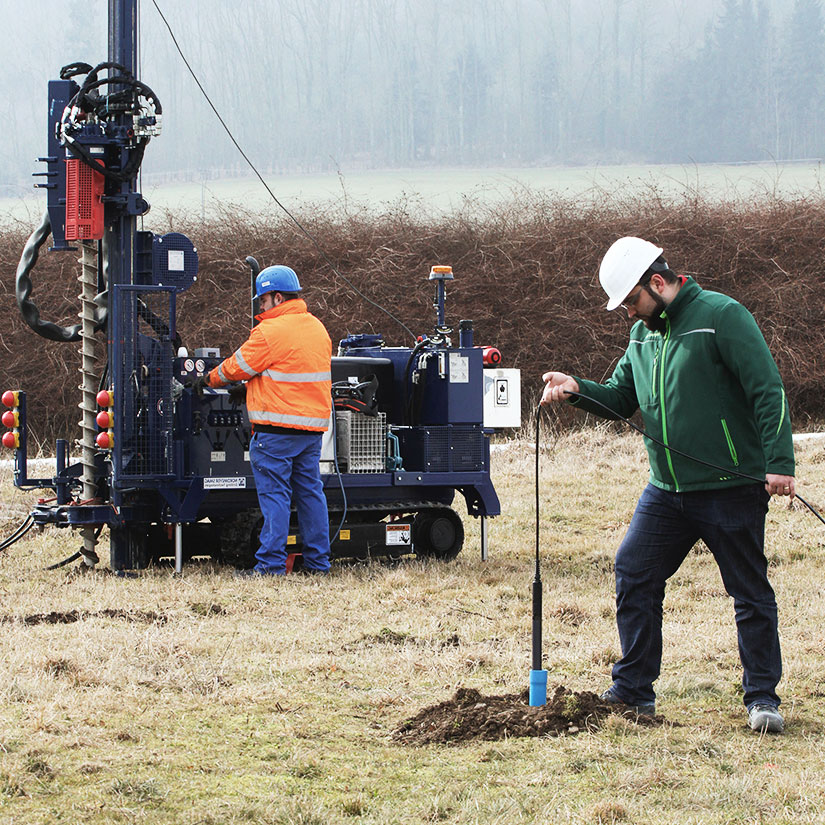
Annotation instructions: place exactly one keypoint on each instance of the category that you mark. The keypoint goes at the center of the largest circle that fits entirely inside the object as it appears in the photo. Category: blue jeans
(287, 468)
(662, 531)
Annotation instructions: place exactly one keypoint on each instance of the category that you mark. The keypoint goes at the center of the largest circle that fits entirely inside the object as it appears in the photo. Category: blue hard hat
(276, 279)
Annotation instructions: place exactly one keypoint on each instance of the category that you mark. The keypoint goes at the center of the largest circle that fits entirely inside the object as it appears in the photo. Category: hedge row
(525, 273)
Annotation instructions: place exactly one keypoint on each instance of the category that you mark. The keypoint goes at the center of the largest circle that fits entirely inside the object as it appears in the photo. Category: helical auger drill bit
(88, 387)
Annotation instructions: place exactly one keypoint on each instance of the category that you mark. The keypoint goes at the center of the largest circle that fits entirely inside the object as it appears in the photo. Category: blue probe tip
(538, 688)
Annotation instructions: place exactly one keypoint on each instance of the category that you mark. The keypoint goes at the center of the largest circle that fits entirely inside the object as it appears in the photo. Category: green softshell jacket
(707, 386)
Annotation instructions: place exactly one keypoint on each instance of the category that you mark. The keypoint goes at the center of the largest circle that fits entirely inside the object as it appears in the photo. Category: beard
(655, 320)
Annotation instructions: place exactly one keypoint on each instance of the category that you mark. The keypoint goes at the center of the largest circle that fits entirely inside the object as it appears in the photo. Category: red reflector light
(490, 356)
(10, 398)
(104, 419)
(105, 441)
(105, 399)
(11, 418)
(11, 440)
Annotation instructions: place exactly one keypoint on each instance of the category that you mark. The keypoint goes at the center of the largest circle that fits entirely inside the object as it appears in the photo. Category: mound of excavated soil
(470, 715)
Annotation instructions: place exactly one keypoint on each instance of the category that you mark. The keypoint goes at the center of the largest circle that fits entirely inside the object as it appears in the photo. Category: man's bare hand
(780, 485)
(557, 387)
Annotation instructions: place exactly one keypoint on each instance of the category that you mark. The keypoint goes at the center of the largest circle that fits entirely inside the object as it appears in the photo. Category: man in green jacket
(700, 372)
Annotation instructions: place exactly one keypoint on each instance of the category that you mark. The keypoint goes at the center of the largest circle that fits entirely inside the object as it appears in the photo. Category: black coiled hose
(23, 291)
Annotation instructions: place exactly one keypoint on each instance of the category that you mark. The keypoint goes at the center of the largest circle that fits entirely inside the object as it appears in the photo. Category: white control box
(502, 397)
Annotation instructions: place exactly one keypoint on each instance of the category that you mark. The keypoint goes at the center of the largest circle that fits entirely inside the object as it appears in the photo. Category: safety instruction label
(224, 483)
(218, 455)
(398, 534)
(175, 260)
(459, 369)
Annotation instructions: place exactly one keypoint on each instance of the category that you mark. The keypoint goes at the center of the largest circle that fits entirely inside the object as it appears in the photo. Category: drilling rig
(165, 469)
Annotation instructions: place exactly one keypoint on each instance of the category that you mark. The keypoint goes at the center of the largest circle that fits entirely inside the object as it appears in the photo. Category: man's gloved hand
(197, 385)
(237, 393)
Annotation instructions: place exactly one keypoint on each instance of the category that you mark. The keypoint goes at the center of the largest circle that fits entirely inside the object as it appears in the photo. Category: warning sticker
(224, 483)
(175, 260)
(459, 369)
(398, 534)
(502, 397)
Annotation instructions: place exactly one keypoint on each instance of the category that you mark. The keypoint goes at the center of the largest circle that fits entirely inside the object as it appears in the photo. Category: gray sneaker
(612, 698)
(765, 719)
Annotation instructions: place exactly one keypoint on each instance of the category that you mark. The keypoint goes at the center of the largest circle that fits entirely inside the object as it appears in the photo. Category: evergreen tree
(801, 78)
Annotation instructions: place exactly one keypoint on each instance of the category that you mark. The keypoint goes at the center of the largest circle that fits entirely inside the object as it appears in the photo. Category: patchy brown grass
(525, 273)
(208, 699)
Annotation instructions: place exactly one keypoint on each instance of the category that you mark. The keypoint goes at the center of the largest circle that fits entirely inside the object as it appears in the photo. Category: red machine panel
(84, 205)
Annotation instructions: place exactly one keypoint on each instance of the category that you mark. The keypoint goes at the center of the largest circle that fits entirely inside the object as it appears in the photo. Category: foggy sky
(314, 85)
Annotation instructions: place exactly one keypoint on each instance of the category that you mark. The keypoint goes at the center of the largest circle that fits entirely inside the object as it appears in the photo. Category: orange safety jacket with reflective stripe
(287, 364)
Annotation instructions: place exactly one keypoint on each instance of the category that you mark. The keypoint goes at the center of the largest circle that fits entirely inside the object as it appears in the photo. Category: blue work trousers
(287, 470)
(662, 531)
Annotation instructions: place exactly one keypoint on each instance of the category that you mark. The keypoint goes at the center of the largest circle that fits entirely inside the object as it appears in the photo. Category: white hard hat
(623, 265)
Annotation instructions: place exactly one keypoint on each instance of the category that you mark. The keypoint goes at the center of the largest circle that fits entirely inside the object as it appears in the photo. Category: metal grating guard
(442, 449)
(362, 442)
(144, 405)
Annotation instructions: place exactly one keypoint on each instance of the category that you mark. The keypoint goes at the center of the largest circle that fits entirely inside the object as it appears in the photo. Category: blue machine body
(178, 458)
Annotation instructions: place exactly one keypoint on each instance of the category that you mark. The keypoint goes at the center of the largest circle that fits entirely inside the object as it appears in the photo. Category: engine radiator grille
(443, 449)
(362, 442)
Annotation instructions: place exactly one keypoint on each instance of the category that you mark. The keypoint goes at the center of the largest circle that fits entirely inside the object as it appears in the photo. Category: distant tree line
(312, 85)
(383, 83)
(754, 90)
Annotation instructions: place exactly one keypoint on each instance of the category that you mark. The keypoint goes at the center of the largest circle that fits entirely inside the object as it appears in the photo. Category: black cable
(76, 555)
(536, 587)
(63, 563)
(338, 473)
(726, 470)
(18, 534)
(266, 186)
(408, 395)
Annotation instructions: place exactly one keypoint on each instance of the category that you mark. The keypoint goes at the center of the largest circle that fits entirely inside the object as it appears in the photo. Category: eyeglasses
(632, 300)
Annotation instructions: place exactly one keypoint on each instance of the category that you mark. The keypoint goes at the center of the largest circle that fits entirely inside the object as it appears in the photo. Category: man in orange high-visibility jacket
(286, 364)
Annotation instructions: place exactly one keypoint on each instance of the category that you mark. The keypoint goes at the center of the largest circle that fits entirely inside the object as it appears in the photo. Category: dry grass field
(205, 699)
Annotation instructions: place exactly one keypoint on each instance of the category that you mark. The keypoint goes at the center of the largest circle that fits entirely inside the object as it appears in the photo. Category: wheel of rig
(239, 539)
(438, 534)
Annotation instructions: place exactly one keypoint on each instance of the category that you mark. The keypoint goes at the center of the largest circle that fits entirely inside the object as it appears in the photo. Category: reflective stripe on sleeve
(280, 418)
(244, 366)
(222, 374)
(298, 377)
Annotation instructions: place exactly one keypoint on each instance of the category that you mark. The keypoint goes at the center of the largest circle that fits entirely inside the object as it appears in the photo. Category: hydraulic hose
(409, 396)
(74, 556)
(88, 100)
(69, 560)
(18, 534)
(616, 416)
(23, 290)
